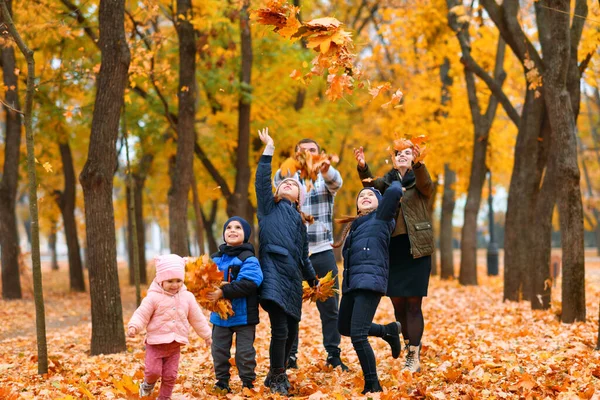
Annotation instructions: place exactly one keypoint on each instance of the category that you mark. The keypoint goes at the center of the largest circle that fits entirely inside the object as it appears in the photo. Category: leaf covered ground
(475, 347)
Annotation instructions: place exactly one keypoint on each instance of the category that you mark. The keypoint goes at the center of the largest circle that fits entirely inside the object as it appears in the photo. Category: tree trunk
(52, 248)
(555, 38)
(240, 204)
(540, 237)
(446, 234)
(181, 176)
(208, 226)
(139, 182)
(36, 268)
(9, 237)
(108, 334)
(66, 204)
(199, 222)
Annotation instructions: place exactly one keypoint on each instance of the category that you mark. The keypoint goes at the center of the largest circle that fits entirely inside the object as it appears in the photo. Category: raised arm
(364, 172)
(389, 204)
(264, 188)
(423, 180)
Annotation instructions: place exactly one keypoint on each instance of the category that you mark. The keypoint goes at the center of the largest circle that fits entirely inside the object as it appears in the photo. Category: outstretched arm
(264, 188)
(389, 204)
(364, 172)
(423, 181)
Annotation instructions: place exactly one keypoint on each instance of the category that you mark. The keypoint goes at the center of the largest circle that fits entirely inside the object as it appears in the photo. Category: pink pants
(162, 361)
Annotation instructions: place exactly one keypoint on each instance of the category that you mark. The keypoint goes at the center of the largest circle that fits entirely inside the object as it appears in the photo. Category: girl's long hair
(348, 220)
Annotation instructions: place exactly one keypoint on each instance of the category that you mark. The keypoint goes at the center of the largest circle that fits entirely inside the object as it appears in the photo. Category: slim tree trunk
(181, 174)
(199, 222)
(66, 204)
(240, 204)
(52, 248)
(446, 230)
(555, 38)
(208, 226)
(139, 178)
(9, 238)
(108, 335)
(38, 293)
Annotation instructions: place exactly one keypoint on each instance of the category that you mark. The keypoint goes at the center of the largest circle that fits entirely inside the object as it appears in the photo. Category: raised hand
(359, 154)
(263, 134)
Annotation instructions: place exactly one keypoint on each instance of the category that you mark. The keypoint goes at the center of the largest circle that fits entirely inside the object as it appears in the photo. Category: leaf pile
(203, 277)
(333, 44)
(321, 292)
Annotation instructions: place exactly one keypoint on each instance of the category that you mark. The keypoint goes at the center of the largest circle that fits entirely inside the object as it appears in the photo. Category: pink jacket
(167, 316)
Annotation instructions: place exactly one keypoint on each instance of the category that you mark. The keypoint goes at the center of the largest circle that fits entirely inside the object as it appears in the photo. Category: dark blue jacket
(366, 254)
(241, 269)
(283, 248)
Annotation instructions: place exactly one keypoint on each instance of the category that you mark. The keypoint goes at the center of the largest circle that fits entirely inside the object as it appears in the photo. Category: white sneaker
(413, 359)
(146, 389)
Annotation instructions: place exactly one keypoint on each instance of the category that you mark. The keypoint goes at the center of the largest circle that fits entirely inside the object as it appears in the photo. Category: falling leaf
(47, 166)
(395, 101)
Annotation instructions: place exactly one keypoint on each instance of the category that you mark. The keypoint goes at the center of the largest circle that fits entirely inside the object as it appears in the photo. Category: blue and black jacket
(241, 270)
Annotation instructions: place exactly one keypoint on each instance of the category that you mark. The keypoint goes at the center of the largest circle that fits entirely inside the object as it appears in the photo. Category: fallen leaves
(321, 292)
(203, 277)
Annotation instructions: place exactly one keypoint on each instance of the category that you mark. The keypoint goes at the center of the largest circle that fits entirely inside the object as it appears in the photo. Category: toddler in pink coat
(166, 312)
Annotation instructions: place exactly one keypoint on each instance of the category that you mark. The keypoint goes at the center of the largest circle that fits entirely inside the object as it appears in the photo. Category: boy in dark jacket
(366, 268)
(243, 276)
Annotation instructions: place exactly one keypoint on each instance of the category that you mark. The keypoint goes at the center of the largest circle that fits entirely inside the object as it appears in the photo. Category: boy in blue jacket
(243, 276)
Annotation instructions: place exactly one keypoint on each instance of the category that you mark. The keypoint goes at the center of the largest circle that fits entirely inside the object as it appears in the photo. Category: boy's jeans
(162, 361)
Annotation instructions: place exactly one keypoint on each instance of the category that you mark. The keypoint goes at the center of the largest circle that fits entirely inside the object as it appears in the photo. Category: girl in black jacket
(366, 268)
(284, 261)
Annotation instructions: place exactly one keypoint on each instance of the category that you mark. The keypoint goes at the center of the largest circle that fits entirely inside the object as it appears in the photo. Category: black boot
(392, 336)
(292, 363)
(222, 387)
(372, 387)
(335, 361)
(248, 384)
(279, 382)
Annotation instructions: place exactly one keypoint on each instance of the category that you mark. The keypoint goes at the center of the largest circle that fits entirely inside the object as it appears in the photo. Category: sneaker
(413, 359)
(336, 361)
(146, 389)
(292, 363)
(248, 384)
(222, 387)
(280, 384)
(392, 336)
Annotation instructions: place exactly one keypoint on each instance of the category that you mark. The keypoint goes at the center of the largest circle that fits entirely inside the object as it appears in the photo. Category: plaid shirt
(319, 204)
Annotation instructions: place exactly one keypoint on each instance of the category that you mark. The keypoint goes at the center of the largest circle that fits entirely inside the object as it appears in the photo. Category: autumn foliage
(309, 165)
(321, 292)
(203, 277)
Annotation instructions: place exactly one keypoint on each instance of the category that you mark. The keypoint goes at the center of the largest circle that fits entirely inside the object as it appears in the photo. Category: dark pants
(357, 311)
(284, 329)
(409, 313)
(324, 262)
(245, 355)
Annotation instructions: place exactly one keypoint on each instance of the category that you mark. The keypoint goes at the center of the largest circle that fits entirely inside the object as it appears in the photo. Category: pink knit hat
(301, 189)
(169, 266)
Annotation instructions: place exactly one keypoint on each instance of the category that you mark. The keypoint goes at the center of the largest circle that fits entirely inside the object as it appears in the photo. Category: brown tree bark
(240, 203)
(52, 248)
(199, 222)
(9, 237)
(482, 124)
(66, 204)
(139, 181)
(208, 226)
(108, 335)
(182, 168)
(556, 38)
(446, 229)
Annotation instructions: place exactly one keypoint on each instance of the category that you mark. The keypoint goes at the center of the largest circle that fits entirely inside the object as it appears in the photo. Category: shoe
(248, 384)
(413, 359)
(372, 387)
(222, 387)
(146, 389)
(270, 377)
(392, 336)
(292, 363)
(336, 361)
(279, 382)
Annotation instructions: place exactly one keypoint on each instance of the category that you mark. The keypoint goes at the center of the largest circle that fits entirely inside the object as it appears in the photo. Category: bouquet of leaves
(202, 276)
(321, 292)
(308, 164)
